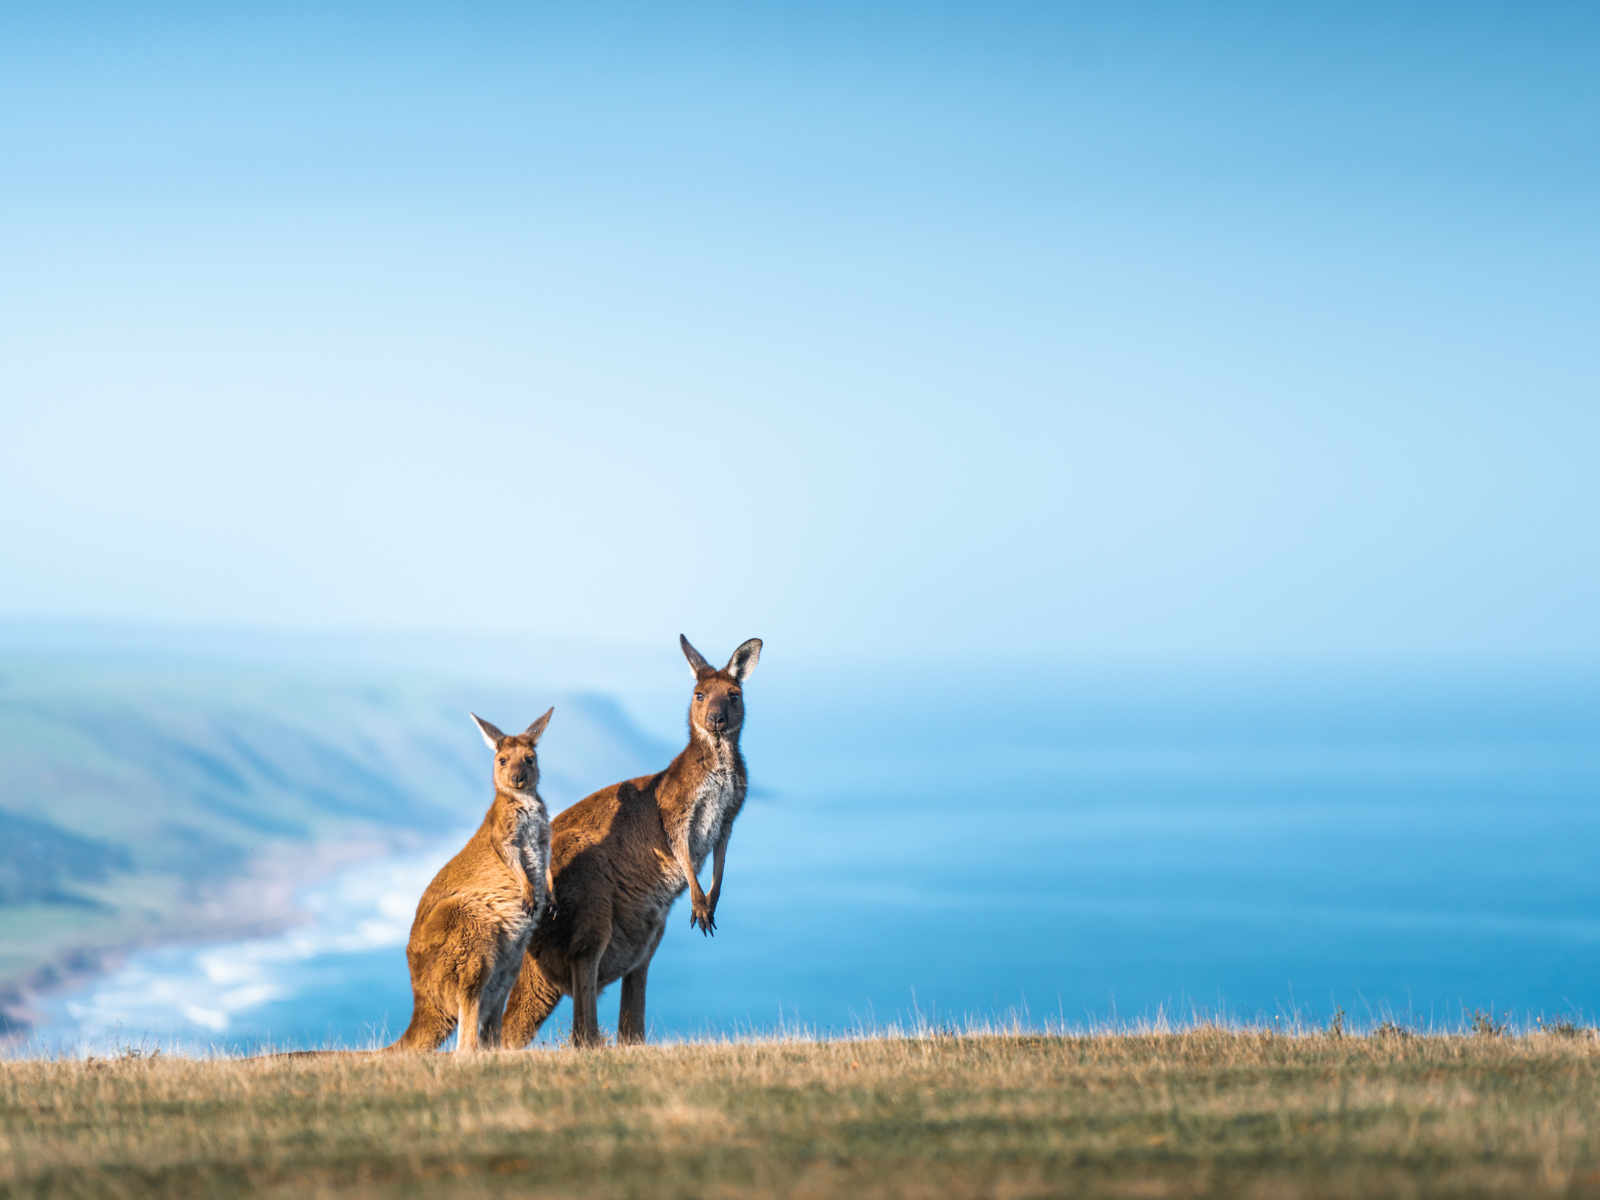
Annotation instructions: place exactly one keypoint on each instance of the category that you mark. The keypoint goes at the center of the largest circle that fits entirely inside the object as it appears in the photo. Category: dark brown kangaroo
(622, 856)
(474, 920)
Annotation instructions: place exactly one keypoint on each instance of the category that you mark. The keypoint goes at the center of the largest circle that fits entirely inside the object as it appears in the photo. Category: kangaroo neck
(707, 754)
(518, 799)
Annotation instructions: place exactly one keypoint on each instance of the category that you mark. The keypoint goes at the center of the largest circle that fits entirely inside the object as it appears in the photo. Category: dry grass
(1199, 1113)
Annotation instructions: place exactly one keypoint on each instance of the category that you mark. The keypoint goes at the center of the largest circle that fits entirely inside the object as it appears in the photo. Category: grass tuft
(1485, 1025)
(1389, 1031)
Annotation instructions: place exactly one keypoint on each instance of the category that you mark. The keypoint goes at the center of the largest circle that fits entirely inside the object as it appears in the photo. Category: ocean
(1059, 848)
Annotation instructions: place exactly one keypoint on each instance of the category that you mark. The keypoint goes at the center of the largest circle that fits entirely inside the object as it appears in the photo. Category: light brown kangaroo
(622, 856)
(474, 921)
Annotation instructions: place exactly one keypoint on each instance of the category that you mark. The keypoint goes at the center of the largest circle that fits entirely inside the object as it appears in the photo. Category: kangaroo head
(516, 765)
(717, 709)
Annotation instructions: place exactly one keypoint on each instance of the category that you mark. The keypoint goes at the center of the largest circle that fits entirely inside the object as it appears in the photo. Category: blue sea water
(1055, 849)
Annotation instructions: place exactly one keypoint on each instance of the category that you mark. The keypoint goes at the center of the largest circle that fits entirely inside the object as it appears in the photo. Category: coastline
(261, 902)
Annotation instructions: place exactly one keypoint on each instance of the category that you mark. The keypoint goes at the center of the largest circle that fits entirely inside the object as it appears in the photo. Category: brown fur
(622, 856)
(474, 921)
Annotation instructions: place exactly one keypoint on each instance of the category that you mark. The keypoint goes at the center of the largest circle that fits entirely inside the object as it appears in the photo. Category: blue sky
(1123, 331)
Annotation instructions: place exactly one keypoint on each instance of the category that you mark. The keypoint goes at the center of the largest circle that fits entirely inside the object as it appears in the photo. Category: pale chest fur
(716, 802)
(527, 844)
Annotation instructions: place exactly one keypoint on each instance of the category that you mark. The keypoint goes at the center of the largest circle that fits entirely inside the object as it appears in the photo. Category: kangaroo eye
(529, 760)
(699, 695)
(503, 762)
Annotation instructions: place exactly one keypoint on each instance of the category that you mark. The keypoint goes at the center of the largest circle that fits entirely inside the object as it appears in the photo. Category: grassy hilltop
(147, 801)
(1202, 1113)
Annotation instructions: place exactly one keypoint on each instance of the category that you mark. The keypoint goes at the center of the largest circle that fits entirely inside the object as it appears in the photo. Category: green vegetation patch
(142, 802)
(38, 862)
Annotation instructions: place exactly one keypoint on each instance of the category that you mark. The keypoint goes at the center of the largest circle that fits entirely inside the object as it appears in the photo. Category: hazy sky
(1114, 331)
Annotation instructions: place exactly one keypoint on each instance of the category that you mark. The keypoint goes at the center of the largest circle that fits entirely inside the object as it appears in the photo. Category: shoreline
(262, 902)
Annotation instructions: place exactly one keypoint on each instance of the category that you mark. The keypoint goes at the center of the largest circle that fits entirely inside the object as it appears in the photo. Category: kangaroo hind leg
(467, 1041)
(493, 1020)
(630, 1014)
(429, 1027)
(492, 1005)
(587, 948)
(585, 1002)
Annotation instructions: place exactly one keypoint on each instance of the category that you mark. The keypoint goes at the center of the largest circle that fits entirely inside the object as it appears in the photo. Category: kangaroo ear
(744, 659)
(490, 734)
(536, 730)
(697, 662)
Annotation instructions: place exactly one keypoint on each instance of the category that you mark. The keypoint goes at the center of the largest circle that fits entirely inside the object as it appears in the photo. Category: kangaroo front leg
(699, 914)
(719, 854)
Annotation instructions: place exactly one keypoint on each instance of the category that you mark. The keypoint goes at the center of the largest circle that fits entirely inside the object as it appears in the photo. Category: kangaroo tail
(322, 1053)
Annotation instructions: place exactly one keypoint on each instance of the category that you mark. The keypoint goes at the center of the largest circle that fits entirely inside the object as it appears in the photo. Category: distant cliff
(151, 801)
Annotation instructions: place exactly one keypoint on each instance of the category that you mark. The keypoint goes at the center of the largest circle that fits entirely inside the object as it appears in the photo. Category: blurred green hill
(149, 801)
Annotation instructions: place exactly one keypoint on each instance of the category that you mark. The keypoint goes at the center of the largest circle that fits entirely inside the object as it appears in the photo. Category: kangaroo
(622, 856)
(474, 921)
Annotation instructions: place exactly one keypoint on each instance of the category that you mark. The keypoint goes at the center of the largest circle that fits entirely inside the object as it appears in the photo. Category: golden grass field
(1206, 1112)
